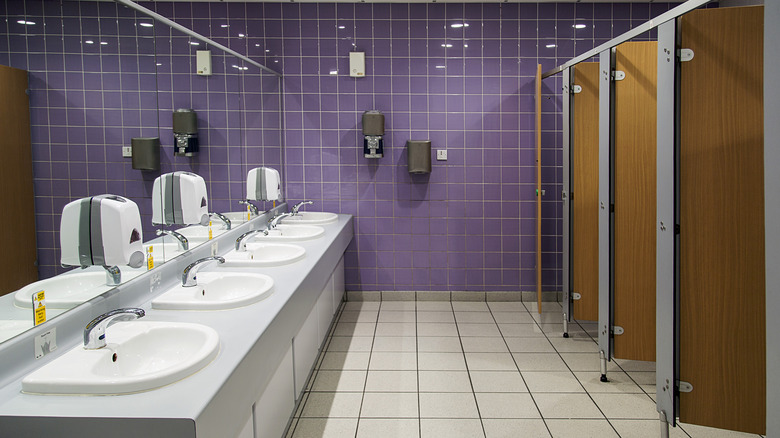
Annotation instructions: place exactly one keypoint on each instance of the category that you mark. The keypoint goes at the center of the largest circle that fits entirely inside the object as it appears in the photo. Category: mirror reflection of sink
(140, 356)
(217, 291)
(162, 252)
(198, 234)
(66, 291)
(236, 217)
(289, 233)
(264, 254)
(11, 328)
(311, 218)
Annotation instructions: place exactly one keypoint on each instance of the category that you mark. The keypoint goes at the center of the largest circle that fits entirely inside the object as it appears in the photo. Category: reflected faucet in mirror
(224, 220)
(252, 207)
(184, 244)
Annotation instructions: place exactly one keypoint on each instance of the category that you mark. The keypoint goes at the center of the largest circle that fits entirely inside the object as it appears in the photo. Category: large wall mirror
(101, 74)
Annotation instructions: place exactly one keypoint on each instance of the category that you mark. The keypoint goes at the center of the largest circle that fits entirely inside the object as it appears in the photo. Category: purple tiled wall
(470, 224)
(95, 73)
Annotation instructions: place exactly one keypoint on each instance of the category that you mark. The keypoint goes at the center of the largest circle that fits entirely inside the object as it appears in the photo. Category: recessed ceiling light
(579, 26)
(146, 24)
(550, 46)
(25, 22)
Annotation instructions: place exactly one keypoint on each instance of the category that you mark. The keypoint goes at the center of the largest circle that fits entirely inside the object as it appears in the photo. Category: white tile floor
(473, 369)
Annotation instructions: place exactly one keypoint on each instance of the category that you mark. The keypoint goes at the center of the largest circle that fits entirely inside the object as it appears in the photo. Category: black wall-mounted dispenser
(146, 153)
(185, 133)
(373, 130)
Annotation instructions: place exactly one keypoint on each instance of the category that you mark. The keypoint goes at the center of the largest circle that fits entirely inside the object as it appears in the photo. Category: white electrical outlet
(441, 155)
(127, 152)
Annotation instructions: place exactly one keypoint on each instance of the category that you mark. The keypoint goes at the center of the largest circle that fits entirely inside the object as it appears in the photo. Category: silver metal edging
(665, 221)
(565, 194)
(193, 34)
(605, 141)
(642, 28)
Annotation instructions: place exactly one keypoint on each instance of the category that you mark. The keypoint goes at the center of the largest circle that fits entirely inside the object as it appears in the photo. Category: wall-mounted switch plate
(357, 64)
(127, 152)
(441, 155)
(203, 62)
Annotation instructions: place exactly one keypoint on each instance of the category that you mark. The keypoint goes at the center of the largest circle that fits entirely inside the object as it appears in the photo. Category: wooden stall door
(722, 281)
(585, 192)
(635, 200)
(17, 237)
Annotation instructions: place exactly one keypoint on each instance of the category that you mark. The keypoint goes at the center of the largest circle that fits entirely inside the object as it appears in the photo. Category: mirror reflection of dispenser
(179, 198)
(263, 184)
(101, 230)
(373, 130)
(185, 133)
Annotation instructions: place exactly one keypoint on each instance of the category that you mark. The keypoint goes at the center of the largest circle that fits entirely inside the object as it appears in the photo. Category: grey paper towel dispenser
(418, 154)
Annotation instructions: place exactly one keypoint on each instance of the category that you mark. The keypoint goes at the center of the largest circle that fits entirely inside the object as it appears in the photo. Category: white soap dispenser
(101, 230)
(263, 184)
(179, 198)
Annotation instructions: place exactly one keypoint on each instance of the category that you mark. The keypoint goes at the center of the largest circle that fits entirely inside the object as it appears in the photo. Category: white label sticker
(45, 343)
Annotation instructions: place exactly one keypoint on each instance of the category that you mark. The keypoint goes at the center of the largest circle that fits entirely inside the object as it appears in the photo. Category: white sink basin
(162, 252)
(65, 291)
(198, 234)
(289, 233)
(264, 254)
(12, 327)
(311, 218)
(217, 291)
(140, 355)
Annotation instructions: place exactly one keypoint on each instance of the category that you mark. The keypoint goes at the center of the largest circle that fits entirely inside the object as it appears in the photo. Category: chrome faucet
(298, 206)
(223, 218)
(113, 275)
(240, 244)
(189, 276)
(275, 221)
(184, 244)
(252, 207)
(95, 331)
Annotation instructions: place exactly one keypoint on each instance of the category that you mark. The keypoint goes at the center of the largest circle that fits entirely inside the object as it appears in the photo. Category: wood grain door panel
(585, 192)
(722, 271)
(635, 200)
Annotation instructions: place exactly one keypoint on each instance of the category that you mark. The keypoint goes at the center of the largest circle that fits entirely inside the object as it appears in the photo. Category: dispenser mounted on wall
(373, 130)
(185, 133)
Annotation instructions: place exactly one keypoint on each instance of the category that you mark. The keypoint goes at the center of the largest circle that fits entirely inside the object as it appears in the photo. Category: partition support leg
(664, 425)
(603, 366)
(565, 325)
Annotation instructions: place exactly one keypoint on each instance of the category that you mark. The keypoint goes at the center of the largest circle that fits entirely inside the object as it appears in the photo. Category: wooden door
(722, 281)
(585, 192)
(635, 200)
(538, 92)
(17, 236)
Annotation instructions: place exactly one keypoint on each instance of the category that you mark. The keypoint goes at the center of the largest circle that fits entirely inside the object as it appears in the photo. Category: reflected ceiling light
(257, 45)
(241, 35)
(267, 50)
(458, 25)
(224, 25)
(550, 46)
(159, 64)
(276, 60)
(146, 24)
(446, 45)
(465, 45)
(334, 72)
(89, 42)
(103, 43)
(194, 43)
(240, 67)
(25, 22)
(440, 66)
(579, 26)
(342, 27)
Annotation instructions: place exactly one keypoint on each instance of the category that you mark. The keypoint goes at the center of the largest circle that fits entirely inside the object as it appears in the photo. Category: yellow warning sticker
(211, 235)
(149, 258)
(39, 307)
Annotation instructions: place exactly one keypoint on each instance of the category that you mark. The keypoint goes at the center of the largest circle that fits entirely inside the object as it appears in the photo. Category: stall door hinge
(576, 89)
(685, 55)
(618, 75)
(684, 386)
(576, 296)
(617, 330)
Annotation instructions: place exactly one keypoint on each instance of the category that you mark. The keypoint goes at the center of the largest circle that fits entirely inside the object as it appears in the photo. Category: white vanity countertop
(239, 329)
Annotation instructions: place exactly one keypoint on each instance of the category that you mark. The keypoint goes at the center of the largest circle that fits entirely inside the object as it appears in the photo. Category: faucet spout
(240, 244)
(184, 244)
(113, 275)
(251, 206)
(298, 206)
(95, 331)
(190, 275)
(275, 221)
(224, 219)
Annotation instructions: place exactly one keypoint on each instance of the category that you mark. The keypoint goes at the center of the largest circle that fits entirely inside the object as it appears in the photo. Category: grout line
(368, 367)
(468, 371)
